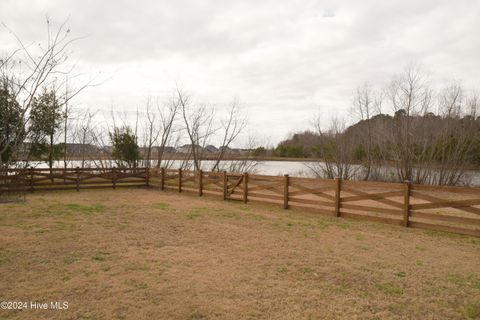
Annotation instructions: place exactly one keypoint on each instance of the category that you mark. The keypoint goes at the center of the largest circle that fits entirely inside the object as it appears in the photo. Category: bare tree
(199, 126)
(150, 133)
(231, 127)
(28, 68)
(336, 151)
(66, 114)
(409, 96)
(84, 134)
(168, 115)
(247, 164)
(366, 105)
(459, 133)
(101, 139)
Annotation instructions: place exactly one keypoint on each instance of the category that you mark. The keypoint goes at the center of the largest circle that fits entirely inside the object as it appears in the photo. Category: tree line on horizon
(405, 132)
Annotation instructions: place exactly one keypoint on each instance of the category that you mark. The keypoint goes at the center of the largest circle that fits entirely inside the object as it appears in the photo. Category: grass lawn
(144, 254)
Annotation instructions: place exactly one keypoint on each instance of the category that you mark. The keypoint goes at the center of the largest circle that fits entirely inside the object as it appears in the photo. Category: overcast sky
(283, 60)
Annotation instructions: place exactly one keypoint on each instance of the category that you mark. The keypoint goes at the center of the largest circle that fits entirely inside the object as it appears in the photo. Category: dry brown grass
(143, 254)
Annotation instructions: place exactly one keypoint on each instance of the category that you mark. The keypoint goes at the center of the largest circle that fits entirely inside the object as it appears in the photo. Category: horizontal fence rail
(451, 209)
(34, 179)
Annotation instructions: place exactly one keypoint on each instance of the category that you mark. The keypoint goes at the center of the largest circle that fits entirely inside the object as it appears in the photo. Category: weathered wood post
(147, 176)
(285, 191)
(245, 187)
(32, 188)
(162, 178)
(225, 185)
(114, 178)
(406, 202)
(77, 171)
(180, 180)
(200, 183)
(338, 189)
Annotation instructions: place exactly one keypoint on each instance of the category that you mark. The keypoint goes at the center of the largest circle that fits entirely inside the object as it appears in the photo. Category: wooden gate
(234, 186)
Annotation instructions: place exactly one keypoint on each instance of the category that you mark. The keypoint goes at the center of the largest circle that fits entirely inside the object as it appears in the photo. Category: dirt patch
(144, 254)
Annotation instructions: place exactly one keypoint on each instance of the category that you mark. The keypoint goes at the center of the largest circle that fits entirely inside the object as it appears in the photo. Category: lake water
(273, 168)
(293, 168)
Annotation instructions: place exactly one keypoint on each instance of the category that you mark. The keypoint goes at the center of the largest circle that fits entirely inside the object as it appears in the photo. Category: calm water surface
(274, 168)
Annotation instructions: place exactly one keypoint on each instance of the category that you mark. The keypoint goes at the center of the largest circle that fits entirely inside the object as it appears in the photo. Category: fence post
(285, 191)
(245, 187)
(162, 178)
(180, 180)
(200, 183)
(114, 178)
(77, 171)
(225, 185)
(406, 203)
(338, 189)
(147, 176)
(32, 189)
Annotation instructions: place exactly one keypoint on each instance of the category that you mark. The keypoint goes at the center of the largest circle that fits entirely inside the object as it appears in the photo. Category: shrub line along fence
(451, 209)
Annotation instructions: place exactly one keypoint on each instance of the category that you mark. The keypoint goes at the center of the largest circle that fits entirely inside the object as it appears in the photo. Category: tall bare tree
(366, 105)
(167, 115)
(409, 96)
(199, 126)
(336, 150)
(459, 132)
(27, 69)
(84, 134)
(231, 127)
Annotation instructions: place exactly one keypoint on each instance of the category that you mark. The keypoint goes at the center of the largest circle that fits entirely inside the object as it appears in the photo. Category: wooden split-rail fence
(451, 209)
(35, 179)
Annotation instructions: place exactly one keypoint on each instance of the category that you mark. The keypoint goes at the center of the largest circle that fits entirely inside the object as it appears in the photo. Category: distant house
(155, 151)
(245, 152)
(80, 149)
(168, 150)
(72, 149)
(187, 148)
(225, 150)
(106, 150)
(234, 151)
(211, 149)
(228, 150)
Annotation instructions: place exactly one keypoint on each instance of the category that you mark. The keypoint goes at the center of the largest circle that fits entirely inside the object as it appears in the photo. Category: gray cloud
(283, 60)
